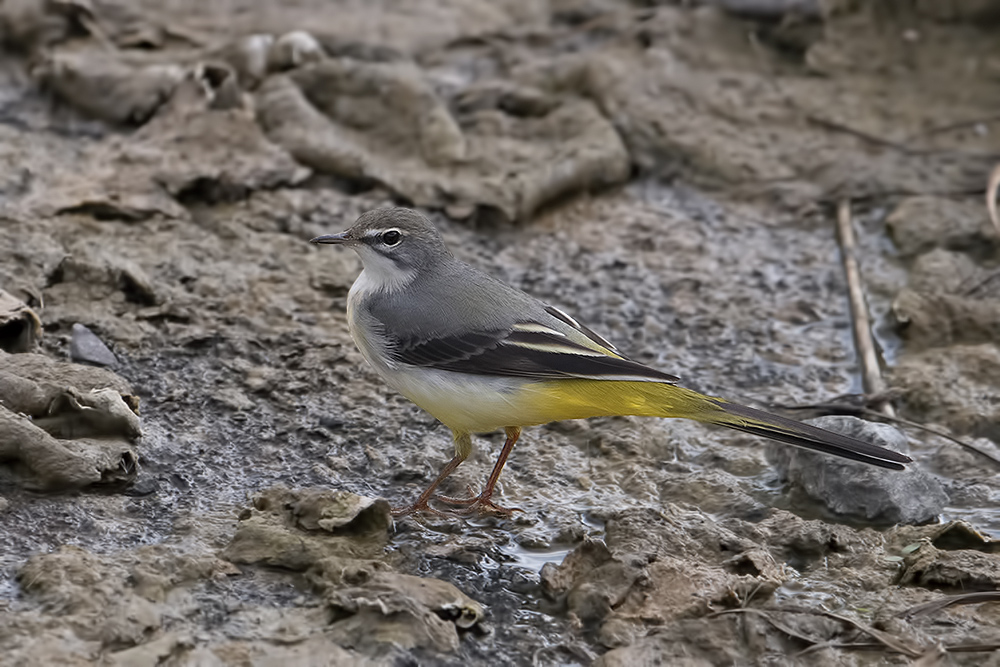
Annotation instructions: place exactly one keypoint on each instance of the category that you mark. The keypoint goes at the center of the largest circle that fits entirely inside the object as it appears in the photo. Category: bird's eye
(391, 237)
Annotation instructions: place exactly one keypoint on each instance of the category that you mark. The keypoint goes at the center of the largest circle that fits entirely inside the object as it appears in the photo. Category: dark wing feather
(519, 353)
(443, 350)
(586, 331)
(799, 434)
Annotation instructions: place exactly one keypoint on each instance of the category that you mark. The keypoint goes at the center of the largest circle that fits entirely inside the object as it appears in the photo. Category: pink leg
(483, 503)
(421, 504)
(463, 447)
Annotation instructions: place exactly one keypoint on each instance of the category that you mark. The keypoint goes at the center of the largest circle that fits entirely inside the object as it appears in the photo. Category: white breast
(364, 328)
(462, 402)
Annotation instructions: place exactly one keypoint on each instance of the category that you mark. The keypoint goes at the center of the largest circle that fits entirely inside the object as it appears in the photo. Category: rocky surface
(853, 491)
(664, 173)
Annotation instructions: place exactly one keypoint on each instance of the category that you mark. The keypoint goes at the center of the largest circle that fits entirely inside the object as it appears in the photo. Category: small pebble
(87, 348)
(144, 486)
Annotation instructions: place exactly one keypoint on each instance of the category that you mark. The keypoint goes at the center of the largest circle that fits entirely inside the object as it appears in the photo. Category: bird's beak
(334, 239)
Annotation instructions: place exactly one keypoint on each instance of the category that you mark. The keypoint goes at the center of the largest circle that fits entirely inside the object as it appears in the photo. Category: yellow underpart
(581, 398)
(468, 403)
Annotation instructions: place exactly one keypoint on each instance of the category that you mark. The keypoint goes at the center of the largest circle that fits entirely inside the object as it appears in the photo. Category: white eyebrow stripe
(535, 327)
(375, 234)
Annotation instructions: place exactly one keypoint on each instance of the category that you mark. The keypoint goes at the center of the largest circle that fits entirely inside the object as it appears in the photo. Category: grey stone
(858, 491)
(85, 346)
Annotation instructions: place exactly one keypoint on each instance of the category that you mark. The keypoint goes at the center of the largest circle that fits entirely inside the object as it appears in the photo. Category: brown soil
(664, 173)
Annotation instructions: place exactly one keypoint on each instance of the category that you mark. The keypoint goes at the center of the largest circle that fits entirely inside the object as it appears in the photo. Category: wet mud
(196, 465)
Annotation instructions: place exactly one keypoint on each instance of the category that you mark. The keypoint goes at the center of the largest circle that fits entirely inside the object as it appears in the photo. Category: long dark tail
(580, 398)
(792, 432)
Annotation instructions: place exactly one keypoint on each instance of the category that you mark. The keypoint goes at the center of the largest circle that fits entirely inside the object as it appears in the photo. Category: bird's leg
(463, 447)
(483, 502)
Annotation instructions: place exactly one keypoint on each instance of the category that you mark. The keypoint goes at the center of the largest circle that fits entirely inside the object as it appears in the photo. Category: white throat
(380, 274)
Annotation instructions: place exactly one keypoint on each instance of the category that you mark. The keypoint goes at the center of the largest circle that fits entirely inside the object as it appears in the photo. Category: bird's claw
(481, 504)
(419, 506)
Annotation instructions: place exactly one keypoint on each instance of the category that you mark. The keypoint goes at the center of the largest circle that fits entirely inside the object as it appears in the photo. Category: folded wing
(529, 350)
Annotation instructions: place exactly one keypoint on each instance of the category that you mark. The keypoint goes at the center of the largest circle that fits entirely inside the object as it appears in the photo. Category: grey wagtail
(480, 355)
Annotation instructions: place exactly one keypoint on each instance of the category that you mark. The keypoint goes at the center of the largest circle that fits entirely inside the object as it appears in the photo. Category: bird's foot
(471, 505)
(419, 506)
(469, 499)
(481, 504)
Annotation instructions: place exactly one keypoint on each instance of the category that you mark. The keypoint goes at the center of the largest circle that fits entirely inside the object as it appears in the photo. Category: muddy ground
(215, 490)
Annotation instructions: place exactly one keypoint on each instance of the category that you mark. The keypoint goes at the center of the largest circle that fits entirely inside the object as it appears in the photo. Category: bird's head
(394, 244)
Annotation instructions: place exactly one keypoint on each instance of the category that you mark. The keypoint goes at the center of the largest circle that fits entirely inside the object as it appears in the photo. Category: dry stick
(991, 196)
(885, 640)
(864, 344)
(876, 140)
(985, 282)
(833, 125)
(938, 432)
(950, 127)
(895, 643)
(950, 601)
(92, 24)
(770, 619)
(833, 407)
(972, 648)
(873, 646)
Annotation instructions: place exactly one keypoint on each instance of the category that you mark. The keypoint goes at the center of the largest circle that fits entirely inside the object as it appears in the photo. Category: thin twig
(972, 648)
(938, 432)
(950, 601)
(876, 140)
(853, 405)
(93, 26)
(991, 196)
(836, 126)
(849, 406)
(850, 646)
(84, 14)
(864, 343)
(770, 619)
(950, 127)
(985, 282)
(885, 639)
(874, 646)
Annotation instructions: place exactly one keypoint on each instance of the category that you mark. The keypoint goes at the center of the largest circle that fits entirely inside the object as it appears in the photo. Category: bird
(480, 356)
